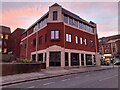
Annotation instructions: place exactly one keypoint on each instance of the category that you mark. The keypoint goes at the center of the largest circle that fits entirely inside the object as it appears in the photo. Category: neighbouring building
(4, 39)
(110, 45)
(14, 42)
(61, 38)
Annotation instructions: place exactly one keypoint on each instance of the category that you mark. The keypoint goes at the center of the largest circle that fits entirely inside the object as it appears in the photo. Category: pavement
(106, 79)
(48, 73)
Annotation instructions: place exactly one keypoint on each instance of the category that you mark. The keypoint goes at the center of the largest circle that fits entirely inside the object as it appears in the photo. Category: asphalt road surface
(96, 79)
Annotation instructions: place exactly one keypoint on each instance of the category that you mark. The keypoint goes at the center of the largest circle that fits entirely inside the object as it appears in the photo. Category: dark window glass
(65, 18)
(25, 45)
(88, 59)
(74, 59)
(34, 42)
(40, 40)
(75, 23)
(45, 37)
(55, 58)
(40, 57)
(55, 15)
(34, 58)
(70, 21)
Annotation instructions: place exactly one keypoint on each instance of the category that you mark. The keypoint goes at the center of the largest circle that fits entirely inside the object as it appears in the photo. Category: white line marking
(65, 80)
(107, 78)
(48, 83)
(77, 77)
(31, 87)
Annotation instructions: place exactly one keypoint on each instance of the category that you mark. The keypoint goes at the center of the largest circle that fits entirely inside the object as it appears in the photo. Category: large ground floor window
(34, 57)
(74, 59)
(40, 57)
(55, 59)
(88, 59)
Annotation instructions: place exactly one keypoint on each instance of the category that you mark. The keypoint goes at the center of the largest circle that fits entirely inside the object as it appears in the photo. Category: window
(5, 50)
(70, 21)
(55, 34)
(76, 38)
(81, 42)
(55, 59)
(54, 15)
(1, 36)
(65, 18)
(0, 50)
(92, 43)
(35, 28)
(80, 25)
(85, 41)
(25, 45)
(68, 37)
(75, 22)
(40, 40)
(6, 36)
(45, 37)
(34, 42)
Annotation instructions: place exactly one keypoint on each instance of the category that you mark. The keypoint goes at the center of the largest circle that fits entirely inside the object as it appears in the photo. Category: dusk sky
(23, 15)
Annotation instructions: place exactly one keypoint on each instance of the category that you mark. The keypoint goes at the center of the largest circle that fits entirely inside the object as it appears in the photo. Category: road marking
(31, 87)
(65, 80)
(87, 75)
(77, 77)
(48, 83)
(107, 78)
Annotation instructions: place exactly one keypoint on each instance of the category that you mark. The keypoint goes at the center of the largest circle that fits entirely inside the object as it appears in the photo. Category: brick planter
(10, 69)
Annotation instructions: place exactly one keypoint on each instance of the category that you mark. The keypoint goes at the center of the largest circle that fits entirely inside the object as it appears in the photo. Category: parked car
(117, 61)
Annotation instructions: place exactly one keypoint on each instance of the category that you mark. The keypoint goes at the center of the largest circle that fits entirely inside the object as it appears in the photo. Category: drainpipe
(27, 46)
(36, 45)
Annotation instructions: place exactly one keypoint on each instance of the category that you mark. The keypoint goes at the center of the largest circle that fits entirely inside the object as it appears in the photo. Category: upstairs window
(65, 18)
(76, 38)
(54, 34)
(54, 15)
(81, 40)
(68, 37)
(34, 42)
(40, 40)
(85, 41)
(70, 21)
(75, 23)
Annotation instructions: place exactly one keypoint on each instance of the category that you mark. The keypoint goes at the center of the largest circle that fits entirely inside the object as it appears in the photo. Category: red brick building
(61, 38)
(4, 39)
(14, 42)
(110, 45)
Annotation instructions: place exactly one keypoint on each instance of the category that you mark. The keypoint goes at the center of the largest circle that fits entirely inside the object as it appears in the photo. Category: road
(96, 79)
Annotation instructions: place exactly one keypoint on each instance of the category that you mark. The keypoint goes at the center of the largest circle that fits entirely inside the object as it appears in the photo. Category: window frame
(56, 36)
(68, 37)
(34, 42)
(76, 39)
(55, 15)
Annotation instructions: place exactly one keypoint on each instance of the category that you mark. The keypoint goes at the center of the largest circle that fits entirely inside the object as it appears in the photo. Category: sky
(24, 14)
